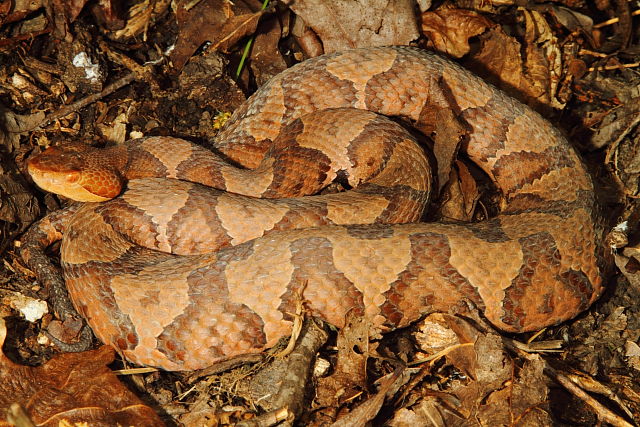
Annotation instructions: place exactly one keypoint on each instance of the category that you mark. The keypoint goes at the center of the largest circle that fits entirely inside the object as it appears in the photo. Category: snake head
(76, 171)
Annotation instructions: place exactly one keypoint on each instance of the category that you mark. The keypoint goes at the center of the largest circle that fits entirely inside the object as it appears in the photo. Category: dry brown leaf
(266, 60)
(109, 14)
(13, 125)
(424, 413)
(18, 10)
(615, 126)
(344, 24)
(69, 8)
(617, 130)
(72, 388)
(349, 376)
(116, 130)
(367, 410)
(234, 29)
(140, 17)
(18, 206)
(521, 402)
(462, 194)
(499, 61)
(219, 22)
(629, 264)
(494, 388)
(449, 30)
(533, 77)
(453, 333)
(33, 22)
(447, 132)
(543, 57)
(571, 19)
(64, 12)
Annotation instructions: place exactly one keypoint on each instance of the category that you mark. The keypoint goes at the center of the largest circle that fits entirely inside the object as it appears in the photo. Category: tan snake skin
(536, 264)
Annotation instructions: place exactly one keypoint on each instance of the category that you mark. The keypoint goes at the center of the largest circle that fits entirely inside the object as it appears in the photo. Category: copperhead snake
(177, 305)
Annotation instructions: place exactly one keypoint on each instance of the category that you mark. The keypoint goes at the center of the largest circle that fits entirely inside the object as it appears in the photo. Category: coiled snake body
(534, 265)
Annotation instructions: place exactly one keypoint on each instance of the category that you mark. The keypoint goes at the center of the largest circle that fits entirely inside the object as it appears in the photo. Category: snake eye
(72, 177)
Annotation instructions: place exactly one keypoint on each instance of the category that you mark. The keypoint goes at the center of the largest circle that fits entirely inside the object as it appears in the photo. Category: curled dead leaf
(72, 388)
(343, 24)
(219, 22)
(499, 60)
(13, 125)
(449, 30)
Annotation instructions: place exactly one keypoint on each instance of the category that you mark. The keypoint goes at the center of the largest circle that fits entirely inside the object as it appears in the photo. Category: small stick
(68, 109)
(289, 400)
(613, 20)
(614, 67)
(592, 53)
(603, 413)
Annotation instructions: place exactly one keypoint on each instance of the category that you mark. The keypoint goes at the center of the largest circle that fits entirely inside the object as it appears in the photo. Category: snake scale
(179, 305)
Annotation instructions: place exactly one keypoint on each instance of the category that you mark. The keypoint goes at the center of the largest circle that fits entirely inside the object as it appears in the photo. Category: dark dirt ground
(106, 71)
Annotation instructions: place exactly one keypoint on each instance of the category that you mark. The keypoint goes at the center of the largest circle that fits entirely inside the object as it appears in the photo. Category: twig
(68, 109)
(289, 401)
(592, 53)
(613, 20)
(226, 365)
(614, 67)
(143, 72)
(134, 371)
(441, 353)
(366, 411)
(269, 419)
(298, 321)
(603, 413)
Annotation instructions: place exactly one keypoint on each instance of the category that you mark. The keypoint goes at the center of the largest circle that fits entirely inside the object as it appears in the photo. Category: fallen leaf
(632, 352)
(72, 388)
(13, 125)
(543, 60)
(266, 60)
(116, 130)
(524, 399)
(219, 22)
(109, 14)
(37, 24)
(571, 19)
(449, 30)
(462, 194)
(32, 309)
(141, 15)
(349, 376)
(17, 11)
(617, 130)
(424, 413)
(344, 24)
(499, 61)
(446, 130)
(491, 388)
(367, 410)
(18, 206)
(63, 13)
